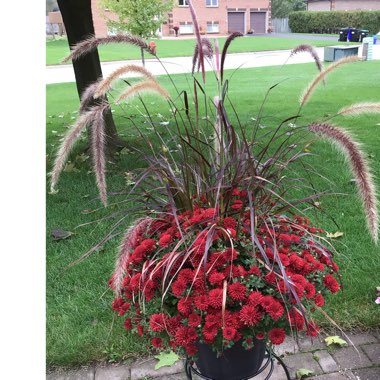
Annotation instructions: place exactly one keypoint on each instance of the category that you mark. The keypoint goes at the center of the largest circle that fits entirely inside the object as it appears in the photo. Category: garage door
(236, 22)
(258, 22)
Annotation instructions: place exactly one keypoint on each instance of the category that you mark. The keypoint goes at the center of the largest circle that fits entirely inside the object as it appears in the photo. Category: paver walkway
(178, 65)
(360, 360)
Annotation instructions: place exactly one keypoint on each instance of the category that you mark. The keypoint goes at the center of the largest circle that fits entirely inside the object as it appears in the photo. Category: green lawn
(56, 50)
(80, 324)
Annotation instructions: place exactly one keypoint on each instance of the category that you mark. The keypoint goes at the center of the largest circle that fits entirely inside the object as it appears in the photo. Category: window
(212, 26)
(186, 28)
(183, 3)
(211, 3)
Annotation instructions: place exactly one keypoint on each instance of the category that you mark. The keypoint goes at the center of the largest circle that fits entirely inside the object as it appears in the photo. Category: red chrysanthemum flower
(128, 324)
(255, 298)
(124, 308)
(184, 305)
(275, 310)
(194, 320)
(254, 270)
(186, 275)
(157, 322)
(237, 291)
(185, 335)
(309, 290)
(178, 287)
(237, 205)
(260, 336)
(191, 349)
(249, 315)
(157, 342)
(140, 330)
(277, 335)
(229, 223)
(165, 240)
(209, 333)
(319, 300)
(216, 278)
(149, 245)
(201, 302)
(117, 303)
(312, 329)
(229, 333)
(331, 283)
(215, 298)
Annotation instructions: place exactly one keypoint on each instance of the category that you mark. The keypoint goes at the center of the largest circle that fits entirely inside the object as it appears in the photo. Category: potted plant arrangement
(225, 262)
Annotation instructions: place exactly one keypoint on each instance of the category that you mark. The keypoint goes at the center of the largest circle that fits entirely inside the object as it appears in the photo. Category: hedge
(332, 21)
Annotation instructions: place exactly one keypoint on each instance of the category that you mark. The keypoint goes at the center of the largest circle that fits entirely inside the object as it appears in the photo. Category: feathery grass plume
(359, 167)
(98, 150)
(309, 49)
(360, 108)
(229, 39)
(127, 246)
(85, 119)
(145, 86)
(199, 40)
(86, 46)
(87, 97)
(322, 75)
(207, 50)
(106, 83)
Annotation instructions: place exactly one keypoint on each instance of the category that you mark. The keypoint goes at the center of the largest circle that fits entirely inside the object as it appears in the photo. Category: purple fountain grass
(98, 151)
(85, 119)
(308, 49)
(199, 40)
(87, 97)
(322, 75)
(105, 84)
(360, 108)
(207, 52)
(229, 39)
(127, 246)
(145, 86)
(86, 46)
(359, 167)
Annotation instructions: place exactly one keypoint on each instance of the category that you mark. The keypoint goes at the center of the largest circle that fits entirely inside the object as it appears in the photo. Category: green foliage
(303, 372)
(138, 17)
(332, 21)
(282, 8)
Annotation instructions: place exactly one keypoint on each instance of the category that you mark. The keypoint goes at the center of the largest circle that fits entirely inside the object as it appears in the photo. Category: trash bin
(354, 35)
(374, 40)
(363, 34)
(343, 33)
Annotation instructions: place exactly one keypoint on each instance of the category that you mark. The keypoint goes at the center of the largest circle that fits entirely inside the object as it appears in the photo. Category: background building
(343, 5)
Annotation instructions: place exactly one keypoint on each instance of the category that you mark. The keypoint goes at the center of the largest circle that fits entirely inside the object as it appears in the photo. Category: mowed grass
(81, 326)
(56, 50)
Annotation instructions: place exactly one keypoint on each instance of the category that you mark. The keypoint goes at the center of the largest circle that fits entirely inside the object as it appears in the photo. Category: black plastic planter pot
(234, 364)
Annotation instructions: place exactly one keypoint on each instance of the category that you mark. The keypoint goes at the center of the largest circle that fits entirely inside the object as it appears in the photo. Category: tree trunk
(77, 18)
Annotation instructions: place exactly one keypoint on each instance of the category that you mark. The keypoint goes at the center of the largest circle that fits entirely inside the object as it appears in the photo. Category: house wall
(351, 5)
(344, 5)
(181, 14)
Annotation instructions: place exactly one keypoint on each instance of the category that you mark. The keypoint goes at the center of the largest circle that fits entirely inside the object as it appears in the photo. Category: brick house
(215, 17)
(343, 5)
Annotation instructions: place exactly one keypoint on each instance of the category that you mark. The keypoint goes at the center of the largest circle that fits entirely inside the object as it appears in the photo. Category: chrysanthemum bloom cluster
(201, 277)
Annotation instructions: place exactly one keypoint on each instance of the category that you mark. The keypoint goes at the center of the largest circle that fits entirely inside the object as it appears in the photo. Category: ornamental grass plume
(322, 75)
(308, 49)
(359, 167)
(90, 44)
(140, 87)
(359, 109)
(105, 85)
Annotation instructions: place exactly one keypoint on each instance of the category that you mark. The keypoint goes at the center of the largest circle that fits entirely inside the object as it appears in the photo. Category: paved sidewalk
(65, 73)
(360, 360)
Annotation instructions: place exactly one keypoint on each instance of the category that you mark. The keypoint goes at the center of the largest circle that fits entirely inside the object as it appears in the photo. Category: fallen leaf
(70, 167)
(335, 340)
(334, 235)
(164, 123)
(82, 157)
(166, 359)
(59, 234)
(124, 151)
(303, 372)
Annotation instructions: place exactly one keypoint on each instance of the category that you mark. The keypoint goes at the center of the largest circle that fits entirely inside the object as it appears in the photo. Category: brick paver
(327, 363)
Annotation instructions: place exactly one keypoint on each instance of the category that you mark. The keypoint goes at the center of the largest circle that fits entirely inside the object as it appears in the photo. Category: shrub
(331, 22)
